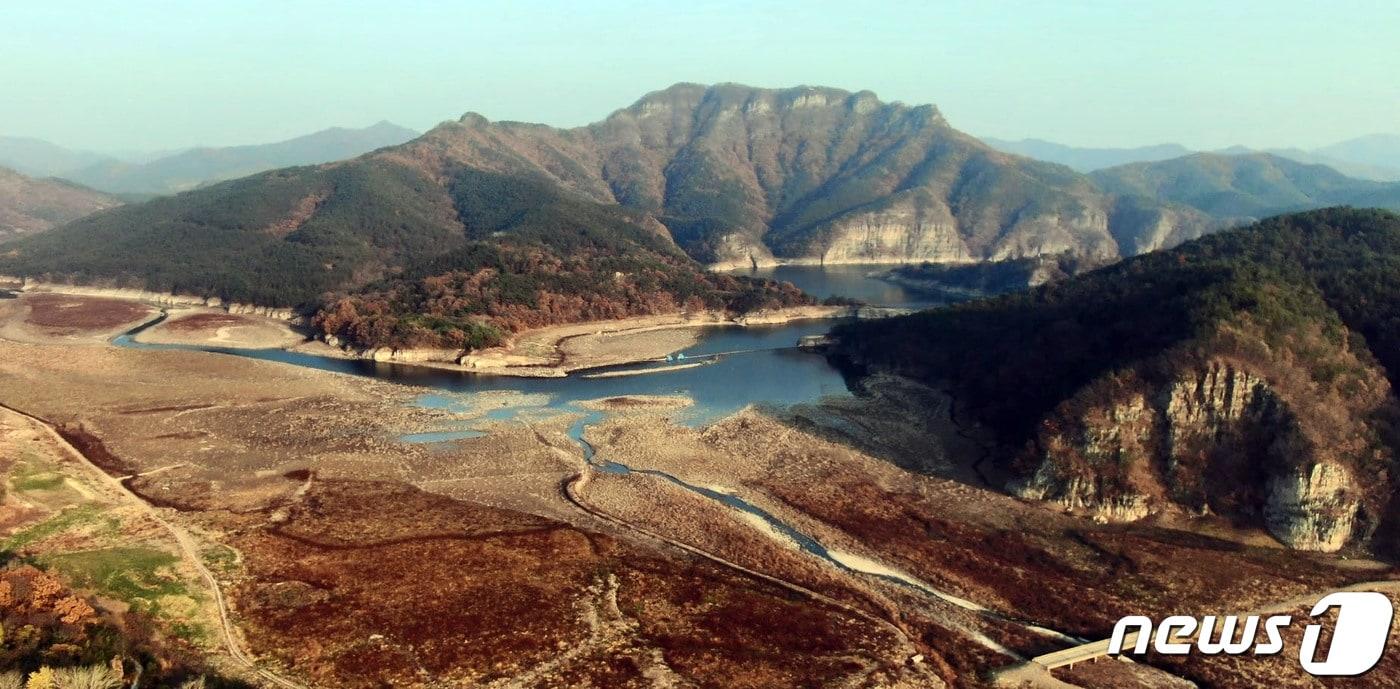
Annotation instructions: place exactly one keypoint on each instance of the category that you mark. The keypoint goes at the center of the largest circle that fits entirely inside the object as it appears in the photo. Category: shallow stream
(761, 365)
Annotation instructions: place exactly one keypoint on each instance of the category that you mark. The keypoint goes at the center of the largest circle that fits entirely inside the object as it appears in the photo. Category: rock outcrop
(731, 175)
(1085, 468)
(743, 176)
(160, 298)
(1214, 439)
(1313, 509)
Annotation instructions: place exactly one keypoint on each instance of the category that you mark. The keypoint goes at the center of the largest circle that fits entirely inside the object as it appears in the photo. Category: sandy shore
(637, 402)
(551, 352)
(210, 327)
(556, 351)
(300, 472)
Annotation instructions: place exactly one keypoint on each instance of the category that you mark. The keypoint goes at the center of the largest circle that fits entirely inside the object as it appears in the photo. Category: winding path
(187, 547)
(573, 486)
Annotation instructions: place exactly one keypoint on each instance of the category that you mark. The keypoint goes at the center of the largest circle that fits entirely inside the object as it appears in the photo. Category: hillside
(198, 166)
(1355, 158)
(1243, 186)
(727, 174)
(39, 158)
(1248, 374)
(450, 263)
(1380, 150)
(30, 205)
(741, 175)
(1349, 166)
(1086, 158)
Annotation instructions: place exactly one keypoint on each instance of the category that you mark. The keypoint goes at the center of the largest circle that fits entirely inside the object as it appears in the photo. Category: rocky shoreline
(556, 351)
(28, 285)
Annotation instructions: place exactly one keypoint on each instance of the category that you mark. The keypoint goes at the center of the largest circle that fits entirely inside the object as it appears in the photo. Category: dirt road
(188, 549)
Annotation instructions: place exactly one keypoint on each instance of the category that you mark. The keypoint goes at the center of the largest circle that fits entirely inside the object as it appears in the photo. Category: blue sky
(144, 75)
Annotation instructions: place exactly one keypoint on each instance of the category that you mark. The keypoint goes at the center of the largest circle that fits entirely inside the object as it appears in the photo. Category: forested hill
(1214, 375)
(1247, 186)
(722, 174)
(454, 262)
(199, 166)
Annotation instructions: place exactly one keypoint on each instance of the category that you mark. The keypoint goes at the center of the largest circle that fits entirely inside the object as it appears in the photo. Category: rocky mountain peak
(473, 119)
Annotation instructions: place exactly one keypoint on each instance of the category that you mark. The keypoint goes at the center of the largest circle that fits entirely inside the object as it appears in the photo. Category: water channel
(768, 369)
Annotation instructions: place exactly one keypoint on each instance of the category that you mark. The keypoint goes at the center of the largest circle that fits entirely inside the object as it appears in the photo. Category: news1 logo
(1358, 639)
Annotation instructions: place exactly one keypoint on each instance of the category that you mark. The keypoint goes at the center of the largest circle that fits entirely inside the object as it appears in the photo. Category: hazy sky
(138, 75)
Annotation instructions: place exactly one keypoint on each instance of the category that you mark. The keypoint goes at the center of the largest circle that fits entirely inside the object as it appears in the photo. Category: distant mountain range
(30, 205)
(164, 173)
(1375, 157)
(1237, 188)
(499, 216)
(729, 174)
(39, 158)
(199, 166)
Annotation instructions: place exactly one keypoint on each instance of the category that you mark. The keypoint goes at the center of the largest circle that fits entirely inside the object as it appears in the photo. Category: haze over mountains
(725, 175)
(169, 172)
(730, 174)
(39, 158)
(1243, 187)
(1375, 157)
(189, 169)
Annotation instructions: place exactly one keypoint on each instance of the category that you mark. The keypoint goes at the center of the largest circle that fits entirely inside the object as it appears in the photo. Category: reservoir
(850, 281)
(763, 366)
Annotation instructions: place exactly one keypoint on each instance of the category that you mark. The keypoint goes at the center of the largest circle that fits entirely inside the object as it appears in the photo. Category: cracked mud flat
(364, 560)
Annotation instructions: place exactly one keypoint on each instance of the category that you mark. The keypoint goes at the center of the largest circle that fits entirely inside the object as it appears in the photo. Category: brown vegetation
(71, 313)
(532, 288)
(33, 205)
(206, 321)
(397, 582)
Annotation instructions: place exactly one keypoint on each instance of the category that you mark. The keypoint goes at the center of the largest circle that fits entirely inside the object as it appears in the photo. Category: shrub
(87, 677)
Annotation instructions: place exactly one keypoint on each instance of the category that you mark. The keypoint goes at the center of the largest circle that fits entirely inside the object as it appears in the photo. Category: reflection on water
(852, 281)
(764, 374)
(758, 364)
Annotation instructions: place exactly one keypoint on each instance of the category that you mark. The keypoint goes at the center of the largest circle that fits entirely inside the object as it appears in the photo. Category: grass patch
(30, 473)
(220, 558)
(58, 523)
(39, 480)
(132, 574)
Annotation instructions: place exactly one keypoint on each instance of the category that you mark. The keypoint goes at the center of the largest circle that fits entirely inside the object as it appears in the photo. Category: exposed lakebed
(742, 365)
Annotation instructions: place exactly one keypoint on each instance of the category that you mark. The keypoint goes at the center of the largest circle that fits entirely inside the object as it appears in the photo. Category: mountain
(31, 205)
(1243, 186)
(38, 158)
(741, 175)
(1350, 168)
(1379, 150)
(725, 174)
(1249, 374)
(197, 166)
(1375, 158)
(1086, 159)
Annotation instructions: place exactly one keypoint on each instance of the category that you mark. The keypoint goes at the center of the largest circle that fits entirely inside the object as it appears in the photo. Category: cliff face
(1215, 439)
(725, 175)
(742, 175)
(1247, 375)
